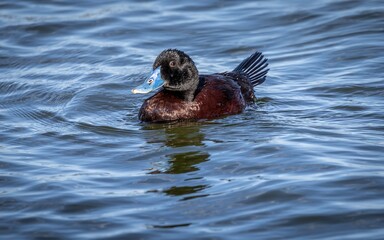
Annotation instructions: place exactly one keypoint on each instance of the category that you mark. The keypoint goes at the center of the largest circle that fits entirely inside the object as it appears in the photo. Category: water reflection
(182, 135)
(185, 152)
(186, 161)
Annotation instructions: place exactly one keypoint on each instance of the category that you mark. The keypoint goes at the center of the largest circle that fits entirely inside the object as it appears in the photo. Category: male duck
(187, 96)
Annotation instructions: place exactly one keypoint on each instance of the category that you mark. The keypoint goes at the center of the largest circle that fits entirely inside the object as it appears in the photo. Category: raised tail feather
(255, 66)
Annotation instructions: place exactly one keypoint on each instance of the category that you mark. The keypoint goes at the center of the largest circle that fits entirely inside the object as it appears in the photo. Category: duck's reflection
(179, 136)
(185, 153)
(186, 161)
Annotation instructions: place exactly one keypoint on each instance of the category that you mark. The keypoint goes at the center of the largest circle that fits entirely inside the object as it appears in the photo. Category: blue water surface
(305, 163)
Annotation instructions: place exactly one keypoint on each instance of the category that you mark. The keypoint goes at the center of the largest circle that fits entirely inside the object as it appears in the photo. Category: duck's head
(175, 71)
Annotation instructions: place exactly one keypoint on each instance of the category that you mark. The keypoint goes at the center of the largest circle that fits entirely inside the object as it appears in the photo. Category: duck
(185, 95)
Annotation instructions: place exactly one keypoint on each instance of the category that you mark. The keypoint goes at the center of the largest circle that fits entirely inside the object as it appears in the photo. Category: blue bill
(152, 83)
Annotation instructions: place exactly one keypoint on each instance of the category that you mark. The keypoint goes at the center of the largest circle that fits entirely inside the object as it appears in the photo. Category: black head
(178, 72)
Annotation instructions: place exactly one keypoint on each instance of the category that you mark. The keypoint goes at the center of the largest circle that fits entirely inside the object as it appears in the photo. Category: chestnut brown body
(218, 95)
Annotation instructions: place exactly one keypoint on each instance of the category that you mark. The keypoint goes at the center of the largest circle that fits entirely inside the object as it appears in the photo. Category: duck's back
(218, 95)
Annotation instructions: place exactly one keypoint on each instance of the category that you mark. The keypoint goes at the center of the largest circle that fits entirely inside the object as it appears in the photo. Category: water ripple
(305, 161)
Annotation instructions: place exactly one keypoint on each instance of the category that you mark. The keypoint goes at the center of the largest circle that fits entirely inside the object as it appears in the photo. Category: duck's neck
(189, 94)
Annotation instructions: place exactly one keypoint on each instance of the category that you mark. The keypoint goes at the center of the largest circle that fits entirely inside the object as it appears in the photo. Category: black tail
(255, 66)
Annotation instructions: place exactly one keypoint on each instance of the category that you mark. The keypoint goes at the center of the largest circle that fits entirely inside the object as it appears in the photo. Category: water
(306, 163)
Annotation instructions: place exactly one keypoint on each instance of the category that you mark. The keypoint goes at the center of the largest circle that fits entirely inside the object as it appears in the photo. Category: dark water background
(306, 163)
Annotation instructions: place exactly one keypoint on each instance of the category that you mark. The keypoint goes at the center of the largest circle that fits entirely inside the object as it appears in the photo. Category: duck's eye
(150, 81)
(172, 64)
